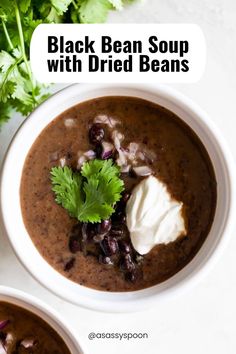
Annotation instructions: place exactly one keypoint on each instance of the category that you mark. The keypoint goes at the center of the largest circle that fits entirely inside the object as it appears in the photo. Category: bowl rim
(142, 301)
(45, 312)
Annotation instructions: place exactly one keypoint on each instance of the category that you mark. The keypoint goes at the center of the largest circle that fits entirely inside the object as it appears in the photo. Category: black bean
(69, 264)
(74, 244)
(120, 208)
(119, 217)
(121, 205)
(117, 232)
(96, 134)
(127, 264)
(131, 276)
(89, 230)
(122, 218)
(125, 246)
(109, 246)
(98, 151)
(104, 227)
(125, 197)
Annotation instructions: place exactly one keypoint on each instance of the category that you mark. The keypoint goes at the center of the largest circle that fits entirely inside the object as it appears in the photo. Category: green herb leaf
(24, 5)
(89, 196)
(61, 6)
(104, 171)
(100, 168)
(5, 111)
(18, 19)
(117, 4)
(94, 208)
(94, 11)
(67, 188)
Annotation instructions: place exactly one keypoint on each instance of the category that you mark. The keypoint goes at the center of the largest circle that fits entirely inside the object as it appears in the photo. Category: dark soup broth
(24, 332)
(151, 136)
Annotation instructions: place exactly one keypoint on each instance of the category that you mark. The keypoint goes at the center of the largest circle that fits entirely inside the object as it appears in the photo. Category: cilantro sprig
(18, 18)
(89, 195)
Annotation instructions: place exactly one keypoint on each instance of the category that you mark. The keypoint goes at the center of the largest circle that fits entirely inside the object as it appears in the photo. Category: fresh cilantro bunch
(18, 19)
(89, 195)
(18, 88)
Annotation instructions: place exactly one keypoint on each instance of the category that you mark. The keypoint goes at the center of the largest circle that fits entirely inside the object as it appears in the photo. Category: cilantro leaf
(15, 85)
(4, 113)
(117, 4)
(24, 5)
(110, 185)
(18, 19)
(94, 11)
(100, 168)
(9, 75)
(67, 188)
(61, 6)
(95, 207)
(7, 6)
(89, 196)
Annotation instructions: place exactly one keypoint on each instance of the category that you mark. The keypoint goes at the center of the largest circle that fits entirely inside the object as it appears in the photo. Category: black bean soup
(23, 332)
(142, 138)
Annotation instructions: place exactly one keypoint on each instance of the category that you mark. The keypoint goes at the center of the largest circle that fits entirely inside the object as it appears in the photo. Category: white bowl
(43, 311)
(95, 299)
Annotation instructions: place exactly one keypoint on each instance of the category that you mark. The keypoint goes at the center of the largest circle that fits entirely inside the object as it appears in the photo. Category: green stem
(22, 46)
(7, 35)
(9, 71)
(74, 4)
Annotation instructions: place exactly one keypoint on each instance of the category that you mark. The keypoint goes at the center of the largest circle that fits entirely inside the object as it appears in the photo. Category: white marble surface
(204, 319)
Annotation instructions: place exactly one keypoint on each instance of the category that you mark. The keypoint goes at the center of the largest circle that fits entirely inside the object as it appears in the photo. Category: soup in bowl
(117, 193)
(29, 326)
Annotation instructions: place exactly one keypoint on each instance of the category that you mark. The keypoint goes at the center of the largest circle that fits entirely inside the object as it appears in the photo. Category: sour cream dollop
(153, 216)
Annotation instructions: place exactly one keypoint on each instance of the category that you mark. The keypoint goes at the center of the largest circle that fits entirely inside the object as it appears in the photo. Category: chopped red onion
(82, 159)
(107, 150)
(3, 324)
(2, 349)
(104, 119)
(117, 137)
(142, 171)
(9, 338)
(69, 122)
(85, 156)
(90, 154)
(27, 343)
(62, 161)
(132, 148)
(121, 161)
(140, 155)
(6, 343)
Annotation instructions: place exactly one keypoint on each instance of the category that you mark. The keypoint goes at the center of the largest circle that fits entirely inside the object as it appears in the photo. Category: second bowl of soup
(29, 326)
